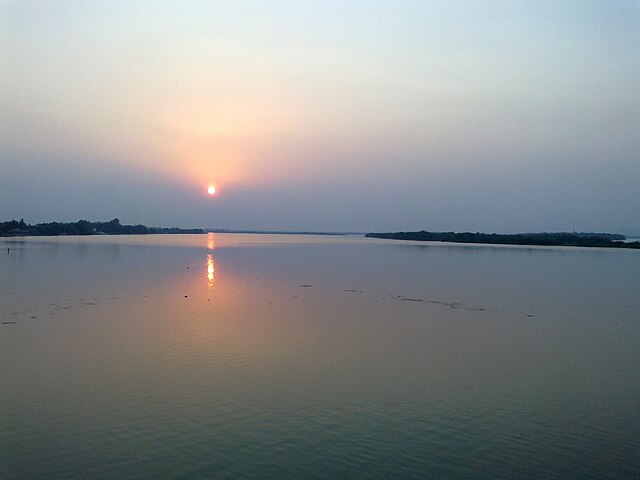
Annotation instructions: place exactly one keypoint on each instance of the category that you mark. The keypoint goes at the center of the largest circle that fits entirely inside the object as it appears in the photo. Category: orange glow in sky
(211, 190)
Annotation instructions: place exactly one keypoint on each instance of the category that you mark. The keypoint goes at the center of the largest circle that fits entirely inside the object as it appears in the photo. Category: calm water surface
(275, 356)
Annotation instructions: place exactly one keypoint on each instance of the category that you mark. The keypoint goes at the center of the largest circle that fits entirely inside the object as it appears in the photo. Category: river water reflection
(279, 356)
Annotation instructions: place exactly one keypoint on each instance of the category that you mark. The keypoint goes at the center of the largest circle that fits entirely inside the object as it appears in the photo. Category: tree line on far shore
(84, 227)
(548, 239)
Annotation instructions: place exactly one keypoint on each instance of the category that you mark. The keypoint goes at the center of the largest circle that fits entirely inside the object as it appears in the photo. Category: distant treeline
(610, 236)
(84, 227)
(550, 239)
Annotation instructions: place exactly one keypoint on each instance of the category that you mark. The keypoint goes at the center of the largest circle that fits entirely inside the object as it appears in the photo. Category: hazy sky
(362, 116)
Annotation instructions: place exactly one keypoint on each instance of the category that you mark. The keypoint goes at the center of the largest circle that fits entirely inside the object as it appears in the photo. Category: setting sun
(211, 190)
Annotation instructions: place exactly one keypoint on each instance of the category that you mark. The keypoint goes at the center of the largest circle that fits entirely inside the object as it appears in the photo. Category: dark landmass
(14, 228)
(276, 232)
(609, 236)
(547, 239)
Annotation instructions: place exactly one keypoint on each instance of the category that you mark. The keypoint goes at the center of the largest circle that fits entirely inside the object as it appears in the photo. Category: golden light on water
(211, 268)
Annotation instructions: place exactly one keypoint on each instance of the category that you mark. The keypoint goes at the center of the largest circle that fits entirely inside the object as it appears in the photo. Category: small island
(575, 239)
(15, 228)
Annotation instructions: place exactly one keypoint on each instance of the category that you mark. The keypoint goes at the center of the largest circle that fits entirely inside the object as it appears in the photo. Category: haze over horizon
(488, 116)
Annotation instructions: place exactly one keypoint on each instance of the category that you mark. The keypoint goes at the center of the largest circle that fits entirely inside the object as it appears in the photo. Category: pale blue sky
(491, 116)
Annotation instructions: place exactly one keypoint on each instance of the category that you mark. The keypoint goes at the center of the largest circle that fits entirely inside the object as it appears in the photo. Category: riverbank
(543, 239)
(15, 228)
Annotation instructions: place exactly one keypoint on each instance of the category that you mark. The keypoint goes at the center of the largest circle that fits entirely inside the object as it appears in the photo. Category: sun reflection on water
(211, 268)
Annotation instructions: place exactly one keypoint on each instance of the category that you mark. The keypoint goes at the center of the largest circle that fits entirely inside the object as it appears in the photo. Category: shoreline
(521, 239)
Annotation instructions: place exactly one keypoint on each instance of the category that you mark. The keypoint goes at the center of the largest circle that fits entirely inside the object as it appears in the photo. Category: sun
(211, 190)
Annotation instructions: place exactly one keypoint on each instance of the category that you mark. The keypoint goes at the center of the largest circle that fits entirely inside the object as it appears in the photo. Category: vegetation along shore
(15, 228)
(607, 240)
